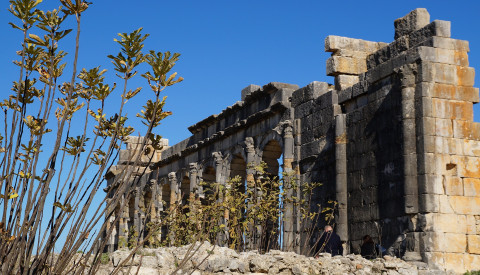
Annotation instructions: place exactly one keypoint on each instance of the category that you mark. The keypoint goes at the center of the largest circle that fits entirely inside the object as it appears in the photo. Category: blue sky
(227, 45)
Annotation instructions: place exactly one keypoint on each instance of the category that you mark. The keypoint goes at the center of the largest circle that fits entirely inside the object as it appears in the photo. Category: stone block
(344, 81)
(447, 43)
(445, 73)
(429, 203)
(413, 21)
(473, 244)
(471, 262)
(427, 164)
(471, 187)
(345, 95)
(447, 223)
(444, 242)
(248, 90)
(335, 43)
(468, 94)
(465, 76)
(426, 72)
(453, 186)
(443, 127)
(438, 55)
(469, 167)
(345, 65)
(465, 205)
(453, 92)
(445, 205)
(454, 262)
(471, 225)
(315, 89)
(304, 109)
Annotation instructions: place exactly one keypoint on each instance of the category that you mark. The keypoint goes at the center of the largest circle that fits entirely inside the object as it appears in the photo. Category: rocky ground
(220, 260)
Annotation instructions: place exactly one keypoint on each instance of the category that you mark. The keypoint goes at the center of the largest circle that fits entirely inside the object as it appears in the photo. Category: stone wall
(393, 141)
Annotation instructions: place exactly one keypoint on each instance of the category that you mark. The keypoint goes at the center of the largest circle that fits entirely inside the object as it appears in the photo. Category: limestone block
(454, 92)
(466, 129)
(471, 262)
(431, 184)
(465, 76)
(429, 203)
(443, 127)
(471, 225)
(453, 186)
(454, 262)
(445, 205)
(447, 43)
(447, 223)
(471, 187)
(473, 244)
(413, 21)
(465, 205)
(248, 90)
(345, 65)
(438, 55)
(344, 81)
(447, 146)
(469, 167)
(444, 242)
(434, 259)
(334, 43)
(445, 73)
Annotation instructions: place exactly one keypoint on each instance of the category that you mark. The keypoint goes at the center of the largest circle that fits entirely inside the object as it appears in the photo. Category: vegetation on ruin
(59, 139)
(241, 215)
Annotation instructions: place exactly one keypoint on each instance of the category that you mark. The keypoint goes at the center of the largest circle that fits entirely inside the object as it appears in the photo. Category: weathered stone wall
(393, 142)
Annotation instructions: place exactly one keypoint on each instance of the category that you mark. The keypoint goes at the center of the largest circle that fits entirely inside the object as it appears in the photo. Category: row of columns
(222, 167)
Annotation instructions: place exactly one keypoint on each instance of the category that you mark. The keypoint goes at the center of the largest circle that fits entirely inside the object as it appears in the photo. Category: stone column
(288, 156)
(341, 177)
(123, 223)
(220, 180)
(192, 174)
(219, 175)
(174, 189)
(251, 161)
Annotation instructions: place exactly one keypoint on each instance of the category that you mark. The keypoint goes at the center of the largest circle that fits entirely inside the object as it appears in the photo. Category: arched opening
(209, 178)
(238, 168)
(185, 190)
(271, 153)
(271, 236)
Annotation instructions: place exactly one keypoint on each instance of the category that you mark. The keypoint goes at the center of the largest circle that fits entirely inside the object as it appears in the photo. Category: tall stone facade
(393, 141)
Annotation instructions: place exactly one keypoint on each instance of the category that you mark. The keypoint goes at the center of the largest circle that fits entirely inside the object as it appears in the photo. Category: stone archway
(185, 190)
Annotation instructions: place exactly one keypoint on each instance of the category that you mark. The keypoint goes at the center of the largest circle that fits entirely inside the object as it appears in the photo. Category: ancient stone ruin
(393, 141)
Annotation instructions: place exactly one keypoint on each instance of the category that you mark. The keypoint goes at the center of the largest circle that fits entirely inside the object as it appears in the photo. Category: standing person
(368, 250)
(330, 242)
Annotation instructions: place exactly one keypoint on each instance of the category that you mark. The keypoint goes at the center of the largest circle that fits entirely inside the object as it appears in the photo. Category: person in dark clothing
(368, 250)
(330, 242)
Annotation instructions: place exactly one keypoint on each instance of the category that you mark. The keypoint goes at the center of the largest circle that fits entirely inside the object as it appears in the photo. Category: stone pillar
(341, 177)
(193, 174)
(221, 181)
(288, 217)
(174, 189)
(251, 161)
(123, 223)
(219, 175)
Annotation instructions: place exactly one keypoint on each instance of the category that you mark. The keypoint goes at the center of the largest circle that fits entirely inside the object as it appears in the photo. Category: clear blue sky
(227, 45)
